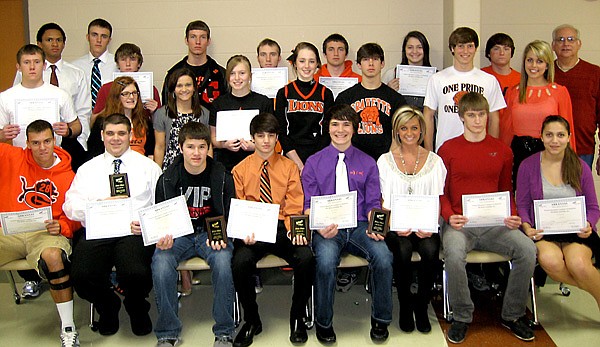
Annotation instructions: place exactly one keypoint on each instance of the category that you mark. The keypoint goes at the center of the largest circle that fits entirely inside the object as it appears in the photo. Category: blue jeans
(501, 240)
(164, 275)
(354, 241)
(589, 159)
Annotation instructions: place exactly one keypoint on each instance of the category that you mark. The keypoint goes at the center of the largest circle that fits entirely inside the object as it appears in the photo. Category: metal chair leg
(11, 280)
(534, 303)
(236, 311)
(93, 322)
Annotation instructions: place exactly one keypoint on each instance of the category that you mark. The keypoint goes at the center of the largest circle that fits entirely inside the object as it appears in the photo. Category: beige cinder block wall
(238, 25)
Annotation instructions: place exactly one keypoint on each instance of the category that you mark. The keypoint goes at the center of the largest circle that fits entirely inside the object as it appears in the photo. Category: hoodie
(346, 73)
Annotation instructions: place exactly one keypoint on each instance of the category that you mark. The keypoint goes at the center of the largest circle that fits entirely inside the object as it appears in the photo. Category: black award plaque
(379, 221)
(216, 229)
(119, 185)
(299, 226)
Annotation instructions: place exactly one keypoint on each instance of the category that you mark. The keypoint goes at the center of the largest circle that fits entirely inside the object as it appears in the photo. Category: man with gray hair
(582, 80)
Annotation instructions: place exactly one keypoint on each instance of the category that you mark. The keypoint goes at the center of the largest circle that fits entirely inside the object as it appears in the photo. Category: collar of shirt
(257, 161)
(109, 158)
(59, 65)
(332, 151)
(103, 58)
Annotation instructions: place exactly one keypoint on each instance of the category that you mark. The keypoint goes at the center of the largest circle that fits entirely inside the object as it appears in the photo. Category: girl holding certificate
(300, 107)
(124, 97)
(238, 75)
(409, 168)
(182, 106)
(528, 103)
(557, 172)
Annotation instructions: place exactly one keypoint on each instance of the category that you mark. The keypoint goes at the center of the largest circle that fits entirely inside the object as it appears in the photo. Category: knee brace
(53, 275)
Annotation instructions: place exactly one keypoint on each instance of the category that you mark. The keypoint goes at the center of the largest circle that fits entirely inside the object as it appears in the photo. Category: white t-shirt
(66, 110)
(429, 180)
(444, 90)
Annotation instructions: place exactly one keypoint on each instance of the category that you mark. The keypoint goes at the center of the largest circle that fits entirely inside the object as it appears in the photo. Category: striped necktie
(96, 81)
(265, 184)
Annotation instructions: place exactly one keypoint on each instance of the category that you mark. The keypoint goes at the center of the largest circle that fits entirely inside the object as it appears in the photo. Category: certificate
(413, 79)
(170, 217)
(247, 217)
(233, 125)
(338, 84)
(29, 110)
(415, 212)
(267, 81)
(337, 209)
(560, 216)
(108, 218)
(145, 81)
(25, 221)
(486, 210)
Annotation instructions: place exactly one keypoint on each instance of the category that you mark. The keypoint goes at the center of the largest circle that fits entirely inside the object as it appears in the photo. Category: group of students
(370, 139)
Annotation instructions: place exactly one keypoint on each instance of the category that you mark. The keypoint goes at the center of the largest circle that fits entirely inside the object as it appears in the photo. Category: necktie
(117, 164)
(96, 81)
(341, 175)
(53, 77)
(265, 184)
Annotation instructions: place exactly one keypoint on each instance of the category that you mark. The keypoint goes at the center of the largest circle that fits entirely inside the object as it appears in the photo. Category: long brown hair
(172, 98)
(571, 165)
(114, 105)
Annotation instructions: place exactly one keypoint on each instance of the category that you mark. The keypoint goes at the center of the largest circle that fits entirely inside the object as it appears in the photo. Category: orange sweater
(25, 185)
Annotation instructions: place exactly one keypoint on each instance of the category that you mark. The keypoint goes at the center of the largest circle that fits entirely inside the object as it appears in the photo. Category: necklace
(410, 191)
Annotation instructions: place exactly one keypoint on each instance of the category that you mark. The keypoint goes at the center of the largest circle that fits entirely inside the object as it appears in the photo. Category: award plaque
(216, 228)
(299, 226)
(119, 185)
(379, 222)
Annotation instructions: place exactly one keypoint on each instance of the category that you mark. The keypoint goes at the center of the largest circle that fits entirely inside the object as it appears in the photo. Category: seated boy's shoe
(258, 286)
(298, 331)
(168, 342)
(31, 289)
(69, 337)
(246, 335)
(141, 324)
(223, 341)
(520, 328)
(457, 332)
(108, 322)
(379, 331)
(345, 281)
(325, 335)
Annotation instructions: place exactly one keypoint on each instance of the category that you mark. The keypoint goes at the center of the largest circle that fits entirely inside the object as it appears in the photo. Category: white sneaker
(31, 289)
(69, 337)
(168, 342)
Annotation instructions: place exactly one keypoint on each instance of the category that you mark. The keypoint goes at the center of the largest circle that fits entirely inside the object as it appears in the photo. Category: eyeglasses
(128, 94)
(569, 39)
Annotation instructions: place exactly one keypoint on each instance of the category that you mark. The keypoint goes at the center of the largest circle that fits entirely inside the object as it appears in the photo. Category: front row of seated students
(474, 161)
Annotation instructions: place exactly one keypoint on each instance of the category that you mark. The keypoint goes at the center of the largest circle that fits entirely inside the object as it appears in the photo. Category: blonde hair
(402, 116)
(542, 50)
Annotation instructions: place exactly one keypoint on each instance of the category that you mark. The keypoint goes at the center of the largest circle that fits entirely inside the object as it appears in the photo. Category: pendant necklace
(410, 191)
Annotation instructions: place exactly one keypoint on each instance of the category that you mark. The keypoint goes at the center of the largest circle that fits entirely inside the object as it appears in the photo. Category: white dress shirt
(91, 183)
(66, 109)
(71, 79)
(107, 66)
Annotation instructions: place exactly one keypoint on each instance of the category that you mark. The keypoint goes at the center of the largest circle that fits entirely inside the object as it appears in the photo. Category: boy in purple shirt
(361, 175)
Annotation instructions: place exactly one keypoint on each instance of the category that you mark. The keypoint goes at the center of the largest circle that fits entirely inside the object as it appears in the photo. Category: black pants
(93, 261)
(523, 147)
(244, 262)
(78, 154)
(402, 248)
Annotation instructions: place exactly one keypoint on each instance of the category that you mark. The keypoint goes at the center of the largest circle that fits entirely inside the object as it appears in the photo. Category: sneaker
(168, 342)
(223, 341)
(457, 332)
(258, 287)
(345, 281)
(479, 282)
(520, 328)
(69, 337)
(31, 289)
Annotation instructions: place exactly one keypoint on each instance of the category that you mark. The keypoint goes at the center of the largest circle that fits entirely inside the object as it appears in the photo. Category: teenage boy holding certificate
(478, 163)
(355, 171)
(95, 251)
(34, 178)
(208, 190)
(269, 177)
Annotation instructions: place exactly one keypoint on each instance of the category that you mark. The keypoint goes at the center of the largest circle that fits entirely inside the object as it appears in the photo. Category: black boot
(407, 322)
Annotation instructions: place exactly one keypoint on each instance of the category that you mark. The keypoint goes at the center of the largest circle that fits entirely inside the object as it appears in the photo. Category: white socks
(65, 311)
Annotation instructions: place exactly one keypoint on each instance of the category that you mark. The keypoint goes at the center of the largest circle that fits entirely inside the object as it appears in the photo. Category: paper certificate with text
(145, 81)
(486, 210)
(338, 84)
(416, 212)
(29, 110)
(337, 209)
(25, 221)
(267, 81)
(108, 218)
(413, 79)
(247, 217)
(234, 125)
(560, 216)
(169, 217)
